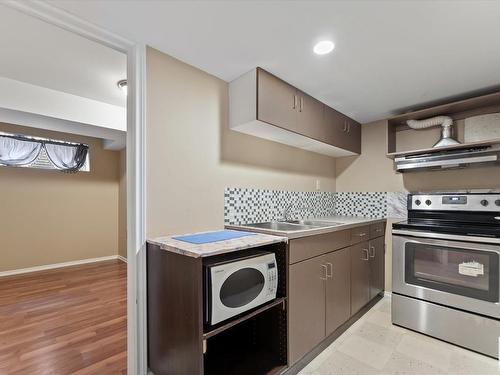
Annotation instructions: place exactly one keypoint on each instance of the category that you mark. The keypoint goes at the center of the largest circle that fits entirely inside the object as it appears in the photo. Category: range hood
(448, 159)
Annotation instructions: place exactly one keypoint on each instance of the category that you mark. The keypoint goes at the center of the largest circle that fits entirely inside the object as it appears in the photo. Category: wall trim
(387, 294)
(123, 259)
(58, 265)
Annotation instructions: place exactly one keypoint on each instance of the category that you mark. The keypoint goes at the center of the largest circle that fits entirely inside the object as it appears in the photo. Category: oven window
(241, 287)
(469, 273)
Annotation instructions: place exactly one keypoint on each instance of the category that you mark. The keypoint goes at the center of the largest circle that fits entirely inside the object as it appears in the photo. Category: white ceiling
(41, 54)
(389, 55)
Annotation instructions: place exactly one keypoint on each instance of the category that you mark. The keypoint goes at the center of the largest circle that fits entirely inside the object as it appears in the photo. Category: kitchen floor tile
(341, 364)
(400, 364)
(373, 345)
(465, 362)
(433, 353)
(368, 352)
(387, 336)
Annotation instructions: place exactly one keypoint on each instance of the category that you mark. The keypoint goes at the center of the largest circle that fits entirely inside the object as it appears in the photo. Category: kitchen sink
(314, 223)
(293, 225)
(281, 226)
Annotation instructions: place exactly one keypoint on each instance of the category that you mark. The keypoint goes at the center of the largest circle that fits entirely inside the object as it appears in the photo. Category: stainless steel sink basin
(315, 223)
(281, 226)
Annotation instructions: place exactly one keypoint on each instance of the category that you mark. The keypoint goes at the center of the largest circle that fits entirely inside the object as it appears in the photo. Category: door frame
(135, 169)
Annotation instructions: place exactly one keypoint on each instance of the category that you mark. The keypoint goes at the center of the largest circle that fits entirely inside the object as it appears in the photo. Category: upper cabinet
(265, 106)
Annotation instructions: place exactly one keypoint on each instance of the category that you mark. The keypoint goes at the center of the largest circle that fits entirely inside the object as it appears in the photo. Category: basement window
(43, 153)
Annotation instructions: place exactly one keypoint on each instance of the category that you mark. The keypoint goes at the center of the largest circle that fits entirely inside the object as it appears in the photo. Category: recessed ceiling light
(122, 85)
(323, 47)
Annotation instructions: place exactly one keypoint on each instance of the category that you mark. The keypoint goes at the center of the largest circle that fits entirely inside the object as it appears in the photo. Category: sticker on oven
(471, 269)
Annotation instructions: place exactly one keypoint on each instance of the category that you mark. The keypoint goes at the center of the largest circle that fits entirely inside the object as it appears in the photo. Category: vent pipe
(446, 124)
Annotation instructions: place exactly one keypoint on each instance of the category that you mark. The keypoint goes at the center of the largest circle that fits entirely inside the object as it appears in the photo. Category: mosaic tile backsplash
(244, 206)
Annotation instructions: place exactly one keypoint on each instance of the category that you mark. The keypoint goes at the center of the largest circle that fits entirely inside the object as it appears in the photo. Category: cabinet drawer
(360, 234)
(309, 247)
(377, 230)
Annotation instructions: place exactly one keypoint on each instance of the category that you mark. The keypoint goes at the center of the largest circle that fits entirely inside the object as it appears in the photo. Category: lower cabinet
(338, 289)
(326, 290)
(367, 272)
(306, 306)
(319, 300)
(360, 276)
(377, 266)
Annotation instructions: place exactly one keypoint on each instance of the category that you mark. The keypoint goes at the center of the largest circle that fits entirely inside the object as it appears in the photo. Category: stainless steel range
(445, 269)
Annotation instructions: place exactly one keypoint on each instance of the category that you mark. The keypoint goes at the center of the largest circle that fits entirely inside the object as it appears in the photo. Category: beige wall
(50, 217)
(373, 171)
(192, 155)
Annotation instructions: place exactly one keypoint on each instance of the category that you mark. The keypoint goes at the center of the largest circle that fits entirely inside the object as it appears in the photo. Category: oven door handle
(465, 242)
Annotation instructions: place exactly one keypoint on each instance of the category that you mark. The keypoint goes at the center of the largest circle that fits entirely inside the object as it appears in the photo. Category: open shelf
(458, 111)
(255, 346)
(214, 330)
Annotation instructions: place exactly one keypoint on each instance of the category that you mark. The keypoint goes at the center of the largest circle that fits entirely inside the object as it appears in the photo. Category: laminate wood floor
(70, 320)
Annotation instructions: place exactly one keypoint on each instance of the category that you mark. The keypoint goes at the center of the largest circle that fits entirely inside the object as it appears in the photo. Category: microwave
(233, 286)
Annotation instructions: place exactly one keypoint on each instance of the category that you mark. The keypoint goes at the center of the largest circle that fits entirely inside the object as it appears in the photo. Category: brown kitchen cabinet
(319, 300)
(360, 276)
(377, 266)
(338, 289)
(310, 117)
(265, 106)
(277, 101)
(306, 306)
(342, 131)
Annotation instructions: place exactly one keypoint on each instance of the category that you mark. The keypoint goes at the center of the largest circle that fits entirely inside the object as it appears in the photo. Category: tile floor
(374, 346)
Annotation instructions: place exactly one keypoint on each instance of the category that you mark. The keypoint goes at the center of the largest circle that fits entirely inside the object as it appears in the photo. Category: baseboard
(122, 258)
(59, 265)
(387, 294)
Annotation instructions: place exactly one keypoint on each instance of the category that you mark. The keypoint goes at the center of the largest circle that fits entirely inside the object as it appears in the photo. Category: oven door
(454, 273)
(240, 286)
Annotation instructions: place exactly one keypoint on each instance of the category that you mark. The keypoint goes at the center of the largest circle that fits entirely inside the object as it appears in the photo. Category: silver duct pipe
(446, 124)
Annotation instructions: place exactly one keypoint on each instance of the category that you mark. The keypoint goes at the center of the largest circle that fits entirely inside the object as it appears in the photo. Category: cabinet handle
(348, 127)
(372, 251)
(361, 234)
(326, 272)
(301, 106)
(367, 254)
(345, 125)
(294, 102)
(329, 275)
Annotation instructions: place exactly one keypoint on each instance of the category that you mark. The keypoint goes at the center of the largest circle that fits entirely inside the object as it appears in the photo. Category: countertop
(168, 243)
(346, 222)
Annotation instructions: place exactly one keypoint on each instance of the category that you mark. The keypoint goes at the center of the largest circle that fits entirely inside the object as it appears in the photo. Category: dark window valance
(20, 150)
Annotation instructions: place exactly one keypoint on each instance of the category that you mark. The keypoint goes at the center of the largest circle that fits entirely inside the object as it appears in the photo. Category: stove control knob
(484, 203)
(418, 202)
(497, 202)
(428, 202)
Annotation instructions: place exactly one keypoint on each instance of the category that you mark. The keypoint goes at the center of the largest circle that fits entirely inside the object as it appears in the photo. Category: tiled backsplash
(370, 204)
(243, 206)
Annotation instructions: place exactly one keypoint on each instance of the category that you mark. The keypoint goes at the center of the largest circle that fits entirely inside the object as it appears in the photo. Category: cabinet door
(377, 266)
(352, 141)
(338, 289)
(360, 276)
(335, 127)
(310, 118)
(277, 101)
(306, 321)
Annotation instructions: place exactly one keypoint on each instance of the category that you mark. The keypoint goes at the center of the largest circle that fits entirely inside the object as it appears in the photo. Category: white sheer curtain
(18, 152)
(66, 157)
